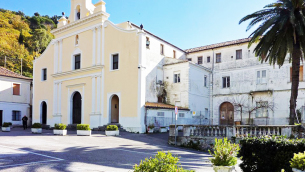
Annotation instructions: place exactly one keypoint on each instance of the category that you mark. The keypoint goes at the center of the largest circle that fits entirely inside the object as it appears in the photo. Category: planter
(36, 130)
(297, 170)
(112, 133)
(84, 132)
(150, 130)
(224, 168)
(60, 132)
(6, 129)
(237, 122)
(163, 130)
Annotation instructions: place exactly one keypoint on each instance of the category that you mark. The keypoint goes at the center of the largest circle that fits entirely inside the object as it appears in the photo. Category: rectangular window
(177, 78)
(218, 58)
(189, 59)
(226, 82)
(300, 74)
(16, 89)
(174, 54)
(238, 54)
(44, 75)
(181, 115)
(199, 60)
(208, 59)
(261, 77)
(262, 109)
(205, 81)
(206, 113)
(16, 116)
(77, 62)
(115, 62)
(147, 42)
(161, 114)
(161, 49)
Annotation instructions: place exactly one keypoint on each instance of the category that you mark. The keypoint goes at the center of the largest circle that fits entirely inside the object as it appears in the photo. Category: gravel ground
(22, 151)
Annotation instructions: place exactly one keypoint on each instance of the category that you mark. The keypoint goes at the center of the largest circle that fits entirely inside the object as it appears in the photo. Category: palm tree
(281, 32)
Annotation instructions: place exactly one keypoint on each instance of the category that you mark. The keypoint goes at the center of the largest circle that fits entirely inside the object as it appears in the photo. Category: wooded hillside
(23, 37)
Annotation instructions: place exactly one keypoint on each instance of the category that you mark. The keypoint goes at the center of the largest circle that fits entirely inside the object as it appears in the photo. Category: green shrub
(83, 127)
(112, 128)
(265, 154)
(162, 162)
(298, 161)
(60, 126)
(9, 123)
(6, 124)
(36, 125)
(224, 153)
(151, 126)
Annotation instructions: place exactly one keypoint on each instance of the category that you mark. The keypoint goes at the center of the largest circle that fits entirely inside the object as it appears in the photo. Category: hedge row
(269, 154)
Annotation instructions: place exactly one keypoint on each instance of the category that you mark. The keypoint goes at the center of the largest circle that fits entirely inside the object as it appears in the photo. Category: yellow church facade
(95, 72)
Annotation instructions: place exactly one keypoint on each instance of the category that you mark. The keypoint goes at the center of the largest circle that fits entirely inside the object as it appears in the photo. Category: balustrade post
(186, 130)
(255, 131)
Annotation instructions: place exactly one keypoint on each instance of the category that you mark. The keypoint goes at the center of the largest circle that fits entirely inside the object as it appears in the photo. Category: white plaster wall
(8, 109)
(243, 80)
(6, 90)
(199, 95)
(177, 92)
(154, 62)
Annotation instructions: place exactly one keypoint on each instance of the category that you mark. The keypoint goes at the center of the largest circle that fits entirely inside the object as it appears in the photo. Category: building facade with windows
(97, 72)
(15, 97)
(239, 78)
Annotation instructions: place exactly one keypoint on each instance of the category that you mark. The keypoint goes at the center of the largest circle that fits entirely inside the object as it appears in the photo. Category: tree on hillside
(40, 40)
(281, 32)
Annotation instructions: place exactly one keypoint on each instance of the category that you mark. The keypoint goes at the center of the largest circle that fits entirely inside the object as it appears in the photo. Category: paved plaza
(22, 151)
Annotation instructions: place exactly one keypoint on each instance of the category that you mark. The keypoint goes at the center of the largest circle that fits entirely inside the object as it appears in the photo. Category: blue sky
(184, 23)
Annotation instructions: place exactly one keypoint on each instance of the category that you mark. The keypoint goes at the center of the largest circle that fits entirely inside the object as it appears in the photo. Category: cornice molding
(78, 22)
(91, 68)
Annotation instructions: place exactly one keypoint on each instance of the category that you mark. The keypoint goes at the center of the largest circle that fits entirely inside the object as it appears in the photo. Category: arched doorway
(114, 113)
(44, 112)
(226, 114)
(77, 108)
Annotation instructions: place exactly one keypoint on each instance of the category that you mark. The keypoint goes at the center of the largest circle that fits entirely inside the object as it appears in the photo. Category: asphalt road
(22, 151)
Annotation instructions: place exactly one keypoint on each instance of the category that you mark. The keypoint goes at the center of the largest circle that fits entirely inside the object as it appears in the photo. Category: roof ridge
(8, 73)
(217, 45)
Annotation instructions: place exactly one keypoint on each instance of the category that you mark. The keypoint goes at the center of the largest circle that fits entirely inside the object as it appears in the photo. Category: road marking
(30, 163)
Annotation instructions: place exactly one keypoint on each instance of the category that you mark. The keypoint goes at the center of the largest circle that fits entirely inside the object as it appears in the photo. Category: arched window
(76, 39)
(77, 13)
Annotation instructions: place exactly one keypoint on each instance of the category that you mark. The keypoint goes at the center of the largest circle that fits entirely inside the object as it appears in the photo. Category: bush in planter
(161, 162)
(224, 153)
(36, 125)
(151, 126)
(6, 124)
(9, 123)
(265, 154)
(60, 126)
(83, 127)
(298, 161)
(112, 128)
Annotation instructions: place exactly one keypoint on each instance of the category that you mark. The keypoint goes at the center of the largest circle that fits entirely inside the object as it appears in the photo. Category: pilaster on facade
(56, 57)
(55, 98)
(94, 46)
(99, 45)
(93, 95)
(60, 56)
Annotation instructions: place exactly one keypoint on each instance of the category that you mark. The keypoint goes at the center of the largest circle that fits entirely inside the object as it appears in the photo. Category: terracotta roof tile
(223, 44)
(8, 73)
(162, 106)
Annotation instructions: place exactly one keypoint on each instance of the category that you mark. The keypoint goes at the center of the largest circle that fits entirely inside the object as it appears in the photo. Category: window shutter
(258, 80)
(264, 76)
(16, 89)
(301, 73)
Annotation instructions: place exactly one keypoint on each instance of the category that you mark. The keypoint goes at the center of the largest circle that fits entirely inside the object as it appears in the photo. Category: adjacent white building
(239, 76)
(15, 97)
